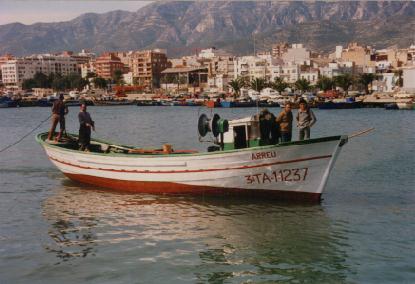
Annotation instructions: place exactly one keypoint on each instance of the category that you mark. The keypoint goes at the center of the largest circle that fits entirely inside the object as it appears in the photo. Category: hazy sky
(32, 11)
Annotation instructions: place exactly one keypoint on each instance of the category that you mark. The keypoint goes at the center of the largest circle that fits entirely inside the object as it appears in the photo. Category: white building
(210, 53)
(297, 53)
(251, 67)
(15, 71)
(128, 78)
(219, 83)
(87, 68)
(385, 83)
(310, 75)
(289, 72)
(409, 79)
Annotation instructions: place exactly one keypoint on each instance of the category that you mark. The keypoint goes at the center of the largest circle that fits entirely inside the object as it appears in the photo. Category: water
(53, 230)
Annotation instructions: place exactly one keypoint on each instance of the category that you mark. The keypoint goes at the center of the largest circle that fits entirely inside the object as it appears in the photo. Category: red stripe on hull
(193, 171)
(177, 188)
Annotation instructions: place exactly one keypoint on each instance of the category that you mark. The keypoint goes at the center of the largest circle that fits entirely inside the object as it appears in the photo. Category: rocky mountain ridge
(184, 27)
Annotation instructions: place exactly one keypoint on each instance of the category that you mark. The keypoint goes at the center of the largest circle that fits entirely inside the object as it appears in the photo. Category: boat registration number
(292, 175)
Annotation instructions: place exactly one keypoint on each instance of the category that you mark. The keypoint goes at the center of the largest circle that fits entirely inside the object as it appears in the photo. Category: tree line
(71, 81)
(344, 81)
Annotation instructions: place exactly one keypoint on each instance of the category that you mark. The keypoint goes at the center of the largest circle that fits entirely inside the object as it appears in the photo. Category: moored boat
(340, 105)
(6, 102)
(240, 164)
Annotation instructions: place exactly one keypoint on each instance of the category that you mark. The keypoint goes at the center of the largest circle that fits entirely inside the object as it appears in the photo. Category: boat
(238, 103)
(409, 105)
(6, 102)
(147, 103)
(72, 102)
(391, 106)
(344, 104)
(405, 101)
(112, 102)
(238, 163)
(45, 102)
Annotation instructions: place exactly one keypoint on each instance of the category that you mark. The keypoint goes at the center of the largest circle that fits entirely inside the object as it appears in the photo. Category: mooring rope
(27, 134)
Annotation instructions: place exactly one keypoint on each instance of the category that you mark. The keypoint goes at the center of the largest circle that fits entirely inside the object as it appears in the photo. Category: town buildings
(147, 65)
(212, 69)
(106, 65)
(15, 71)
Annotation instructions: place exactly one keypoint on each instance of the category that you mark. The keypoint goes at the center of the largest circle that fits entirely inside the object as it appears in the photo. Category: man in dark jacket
(85, 126)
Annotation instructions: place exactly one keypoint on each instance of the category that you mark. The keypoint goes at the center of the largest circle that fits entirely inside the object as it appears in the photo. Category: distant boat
(410, 105)
(112, 102)
(268, 104)
(405, 101)
(70, 103)
(339, 105)
(6, 102)
(391, 106)
(232, 104)
(44, 102)
(148, 103)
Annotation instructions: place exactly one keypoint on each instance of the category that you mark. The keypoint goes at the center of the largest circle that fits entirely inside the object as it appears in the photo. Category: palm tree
(344, 81)
(279, 85)
(258, 84)
(366, 79)
(302, 84)
(236, 85)
(325, 83)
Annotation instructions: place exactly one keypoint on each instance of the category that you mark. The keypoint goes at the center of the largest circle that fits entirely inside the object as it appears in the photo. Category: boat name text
(264, 155)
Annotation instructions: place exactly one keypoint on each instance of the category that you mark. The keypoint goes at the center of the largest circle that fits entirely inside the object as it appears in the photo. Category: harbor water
(53, 230)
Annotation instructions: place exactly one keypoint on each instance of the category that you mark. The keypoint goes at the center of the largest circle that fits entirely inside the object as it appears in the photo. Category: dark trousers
(304, 133)
(285, 137)
(55, 121)
(84, 137)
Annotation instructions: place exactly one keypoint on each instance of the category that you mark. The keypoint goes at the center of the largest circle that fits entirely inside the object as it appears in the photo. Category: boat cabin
(243, 133)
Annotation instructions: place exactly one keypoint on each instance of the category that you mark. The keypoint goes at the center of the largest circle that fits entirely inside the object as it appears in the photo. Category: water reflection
(214, 240)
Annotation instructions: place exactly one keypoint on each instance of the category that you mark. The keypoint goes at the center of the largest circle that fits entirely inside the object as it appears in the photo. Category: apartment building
(360, 55)
(147, 66)
(277, 50)
(289, 72)
(14, 72)
(106, 65)
(297, 53)
(251, 67)
(310, 74)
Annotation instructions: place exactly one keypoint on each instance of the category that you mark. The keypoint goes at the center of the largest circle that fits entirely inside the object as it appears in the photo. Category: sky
(32, 11)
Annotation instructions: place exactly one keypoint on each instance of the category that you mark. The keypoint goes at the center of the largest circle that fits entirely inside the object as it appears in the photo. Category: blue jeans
(285, 137)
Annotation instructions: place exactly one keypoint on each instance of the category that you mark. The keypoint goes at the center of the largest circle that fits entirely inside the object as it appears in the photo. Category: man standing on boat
(285, 121)
(268, 128)
(85, 125)
(59, 110)
(305, 120)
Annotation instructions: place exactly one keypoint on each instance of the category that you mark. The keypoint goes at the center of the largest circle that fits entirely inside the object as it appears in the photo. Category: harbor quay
(354, 76)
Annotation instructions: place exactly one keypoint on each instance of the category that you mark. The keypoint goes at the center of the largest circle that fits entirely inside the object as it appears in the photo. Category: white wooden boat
(295, 170)
(405, 101)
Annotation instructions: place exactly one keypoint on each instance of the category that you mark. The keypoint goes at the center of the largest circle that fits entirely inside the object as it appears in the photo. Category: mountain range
(185, 27)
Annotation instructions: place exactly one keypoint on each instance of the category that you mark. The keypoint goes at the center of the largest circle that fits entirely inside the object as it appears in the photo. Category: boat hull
(406, 105)
(287, 171)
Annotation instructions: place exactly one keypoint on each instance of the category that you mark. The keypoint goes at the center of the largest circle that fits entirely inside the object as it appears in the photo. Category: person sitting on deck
(85, 125)
(285, 121)
(305, 119)
(59, 110)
